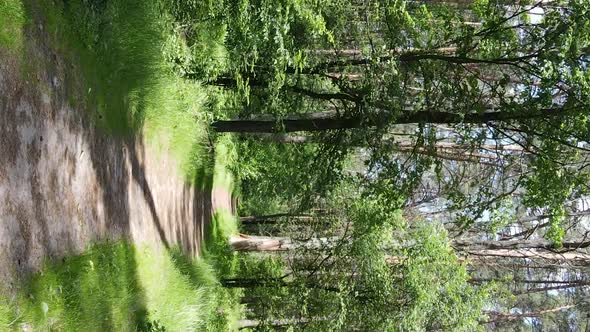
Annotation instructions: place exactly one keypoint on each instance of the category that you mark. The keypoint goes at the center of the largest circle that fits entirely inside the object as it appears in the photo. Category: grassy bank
(120, 57)
(123, 287)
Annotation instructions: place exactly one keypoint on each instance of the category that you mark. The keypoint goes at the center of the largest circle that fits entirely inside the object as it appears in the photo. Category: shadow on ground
(64, 184)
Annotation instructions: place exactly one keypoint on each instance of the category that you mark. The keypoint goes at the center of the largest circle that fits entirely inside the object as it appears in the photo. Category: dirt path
(65, 184)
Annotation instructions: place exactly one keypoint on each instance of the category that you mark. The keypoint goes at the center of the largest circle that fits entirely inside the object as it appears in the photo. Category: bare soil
(65, 184)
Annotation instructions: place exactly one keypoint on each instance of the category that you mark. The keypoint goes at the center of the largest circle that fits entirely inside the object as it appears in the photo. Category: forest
(393, 165)
(413, 165)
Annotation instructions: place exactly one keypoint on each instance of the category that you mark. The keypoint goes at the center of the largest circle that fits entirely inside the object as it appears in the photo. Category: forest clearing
(294, 165)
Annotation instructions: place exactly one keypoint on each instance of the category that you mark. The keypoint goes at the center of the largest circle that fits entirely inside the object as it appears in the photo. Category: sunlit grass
(173, 300)
(12, 21)
(120, 287)
(219, 256)
(118, 47)
(8, 316)
(95, 291)
(178, 126)
(226, 156)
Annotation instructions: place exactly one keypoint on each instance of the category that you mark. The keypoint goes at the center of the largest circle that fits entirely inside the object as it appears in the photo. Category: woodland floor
(65, 184)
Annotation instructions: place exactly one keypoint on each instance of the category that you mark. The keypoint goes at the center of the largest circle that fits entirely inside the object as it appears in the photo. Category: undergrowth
(121, 287)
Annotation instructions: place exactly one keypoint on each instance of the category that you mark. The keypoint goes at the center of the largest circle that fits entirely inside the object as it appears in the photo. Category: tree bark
(260, 243)
(251, 282)
(412, 56)
(502, 316)
(258, 126)
(517, 244)
(405, 145)
(358, 52)
(266, 243)
(323, 121)
(526, 281)
(272, 282)
(272, 218)
(569, 258)
(552, 288)
(251, 323)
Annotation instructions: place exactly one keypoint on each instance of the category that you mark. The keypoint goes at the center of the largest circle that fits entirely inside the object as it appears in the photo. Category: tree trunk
(406, 145)
(358, 52)
(412, 56)
(552, 288)
(323, 121)
(243, 242)
(258, 126)
(248, 300)
(517, 244)
(260, 243)
(251, 282)
(285, 138)
(272, 218)
(251, 323)
(502, 316)
(526, 281)
(273, 282)
(442, 151)
(570, 257)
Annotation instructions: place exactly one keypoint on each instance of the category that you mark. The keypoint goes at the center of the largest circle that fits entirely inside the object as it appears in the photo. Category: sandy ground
(65, 184)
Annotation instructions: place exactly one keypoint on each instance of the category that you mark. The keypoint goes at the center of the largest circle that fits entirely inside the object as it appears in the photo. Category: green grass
(98, 290)
(120, 287)
(8, 315)
(192, 300)
(178, 126)
(226, 157)
(124, 71)
(217, 261)
(118, 45)
(12, 21)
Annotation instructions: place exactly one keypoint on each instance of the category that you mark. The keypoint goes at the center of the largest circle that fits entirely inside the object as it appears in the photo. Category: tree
(411, 106)
(348, 275)
(510, 81)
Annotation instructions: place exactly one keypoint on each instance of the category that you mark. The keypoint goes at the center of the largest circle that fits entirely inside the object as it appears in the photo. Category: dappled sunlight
(398, 165)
